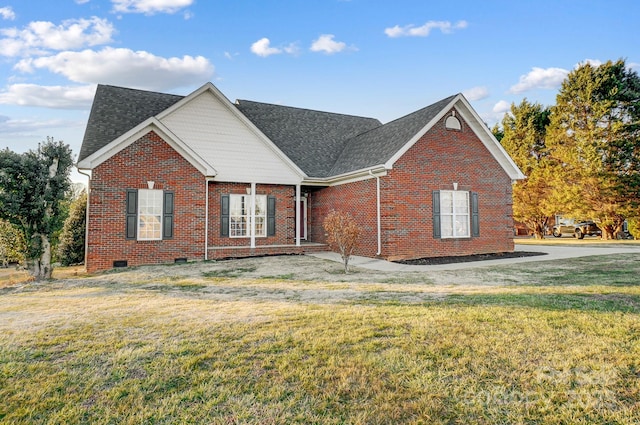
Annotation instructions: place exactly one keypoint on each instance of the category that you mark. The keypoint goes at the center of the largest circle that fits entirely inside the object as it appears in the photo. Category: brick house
(176, 178)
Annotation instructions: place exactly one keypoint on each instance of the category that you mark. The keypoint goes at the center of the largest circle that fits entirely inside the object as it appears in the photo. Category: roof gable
(225, 138)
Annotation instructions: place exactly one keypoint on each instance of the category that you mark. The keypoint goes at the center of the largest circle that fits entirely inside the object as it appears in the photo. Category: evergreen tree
(594, 137)
(72, 238)
(523, 137)
(33, 187)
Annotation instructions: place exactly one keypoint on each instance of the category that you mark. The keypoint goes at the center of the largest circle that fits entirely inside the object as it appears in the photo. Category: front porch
(224, 252)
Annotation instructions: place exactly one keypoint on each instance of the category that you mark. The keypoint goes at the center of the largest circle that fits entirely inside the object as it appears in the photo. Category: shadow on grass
(613, 302)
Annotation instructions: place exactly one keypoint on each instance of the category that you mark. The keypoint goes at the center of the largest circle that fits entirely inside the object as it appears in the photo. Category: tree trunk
(40, 267)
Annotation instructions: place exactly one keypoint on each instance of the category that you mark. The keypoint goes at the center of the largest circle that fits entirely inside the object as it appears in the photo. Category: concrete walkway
(552, 252)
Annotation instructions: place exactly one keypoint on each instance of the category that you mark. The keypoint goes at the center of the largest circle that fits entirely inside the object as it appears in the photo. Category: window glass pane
(462, 226)
(454, 214)
(446, 226)
(150, 214)
(261, 205)
(446, 202)
(461, 202)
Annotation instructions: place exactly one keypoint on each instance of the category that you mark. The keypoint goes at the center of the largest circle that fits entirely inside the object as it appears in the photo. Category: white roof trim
(128, 138)
(240, 116)
(479, 128)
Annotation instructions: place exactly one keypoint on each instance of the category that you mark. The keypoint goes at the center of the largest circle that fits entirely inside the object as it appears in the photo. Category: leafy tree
(342, 234)
(72, 238)
(12, 245)
(33, 186)
(523, 137)
(594, 136)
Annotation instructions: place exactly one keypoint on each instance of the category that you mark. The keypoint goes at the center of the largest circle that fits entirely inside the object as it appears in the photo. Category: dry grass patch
(188, 344)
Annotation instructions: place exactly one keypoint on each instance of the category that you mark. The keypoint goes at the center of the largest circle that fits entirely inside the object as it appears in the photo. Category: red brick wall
(147, 159)
(440, 158)
(359, 200)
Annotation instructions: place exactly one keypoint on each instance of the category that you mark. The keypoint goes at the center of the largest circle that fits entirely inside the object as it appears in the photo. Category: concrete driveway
(551, 252)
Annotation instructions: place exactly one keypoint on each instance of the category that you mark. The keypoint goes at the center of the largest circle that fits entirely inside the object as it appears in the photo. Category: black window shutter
(224, 215)
(271, 215)
(475, 216)
(167, 215)
(132, 214)
(436, 214)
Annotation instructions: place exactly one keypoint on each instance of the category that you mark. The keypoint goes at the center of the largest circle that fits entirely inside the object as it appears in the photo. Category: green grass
(547, 345)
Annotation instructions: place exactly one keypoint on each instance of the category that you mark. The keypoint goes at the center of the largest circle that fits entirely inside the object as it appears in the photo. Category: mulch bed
(467, 258)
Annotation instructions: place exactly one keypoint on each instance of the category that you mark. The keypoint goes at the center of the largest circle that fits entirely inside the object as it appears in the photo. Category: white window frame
(455, 216)
(240, 210)
(150, 214)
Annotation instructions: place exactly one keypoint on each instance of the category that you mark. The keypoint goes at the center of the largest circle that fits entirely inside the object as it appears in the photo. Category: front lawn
(243, 342)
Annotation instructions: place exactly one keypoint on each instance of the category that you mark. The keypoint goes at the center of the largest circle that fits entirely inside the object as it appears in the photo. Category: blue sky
(379, 58)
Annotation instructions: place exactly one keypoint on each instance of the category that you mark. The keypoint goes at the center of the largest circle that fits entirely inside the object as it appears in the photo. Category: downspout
(378, 212)
(252, 214)
(206, 218)
(298, 212)
(86, 218)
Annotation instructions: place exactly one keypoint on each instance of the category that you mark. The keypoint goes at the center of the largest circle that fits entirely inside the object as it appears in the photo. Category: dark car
(576, 229)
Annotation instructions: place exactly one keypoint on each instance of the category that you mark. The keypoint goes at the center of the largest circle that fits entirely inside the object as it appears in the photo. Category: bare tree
(342, 234)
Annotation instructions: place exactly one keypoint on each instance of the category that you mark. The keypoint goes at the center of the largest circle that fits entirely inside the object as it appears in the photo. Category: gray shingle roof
(322, 144)
(116, 110)
(380, 144)
(313, 140)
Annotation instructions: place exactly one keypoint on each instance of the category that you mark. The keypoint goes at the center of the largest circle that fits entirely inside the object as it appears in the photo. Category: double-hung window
(236, 219)
(240, 217)
(149, 214)
(455, 214)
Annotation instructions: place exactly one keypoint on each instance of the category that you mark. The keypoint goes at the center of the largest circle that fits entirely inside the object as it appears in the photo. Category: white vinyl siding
(236, 152)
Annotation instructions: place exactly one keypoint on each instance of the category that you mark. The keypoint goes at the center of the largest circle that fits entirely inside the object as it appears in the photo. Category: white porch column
(252, 215)
(298, 212)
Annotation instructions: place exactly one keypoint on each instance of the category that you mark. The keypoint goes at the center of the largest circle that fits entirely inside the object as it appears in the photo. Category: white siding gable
(237, 152)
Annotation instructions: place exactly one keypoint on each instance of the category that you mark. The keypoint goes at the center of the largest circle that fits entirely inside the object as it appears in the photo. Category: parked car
(576, 229)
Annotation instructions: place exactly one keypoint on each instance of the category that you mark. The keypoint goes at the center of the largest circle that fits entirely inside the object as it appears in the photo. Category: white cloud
(593, 62)
(58, 97)
(27, 127)
(540, 78)
(40, 37)
(82, 1)
(326, 44)
(263, 48)
(150, 7)
(124, 67)
(476, 93)
(7, 13)
(410, 30)
(501, 107)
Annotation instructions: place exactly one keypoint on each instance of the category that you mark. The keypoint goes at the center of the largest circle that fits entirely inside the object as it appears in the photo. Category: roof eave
(349, 177)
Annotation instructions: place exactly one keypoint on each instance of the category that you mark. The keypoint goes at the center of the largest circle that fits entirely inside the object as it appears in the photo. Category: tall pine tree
(523, 137)
(594, 138)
